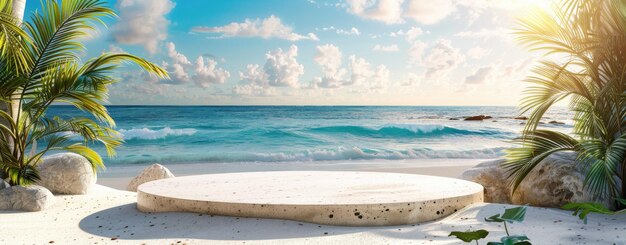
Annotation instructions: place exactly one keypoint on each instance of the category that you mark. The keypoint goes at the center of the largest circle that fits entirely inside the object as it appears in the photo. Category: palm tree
(39, 67)
(17, 10)
(585, 61)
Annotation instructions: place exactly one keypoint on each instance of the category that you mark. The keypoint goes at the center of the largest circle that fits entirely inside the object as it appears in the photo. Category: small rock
(556, 122)
(153, 172)
(4, 184)
(521, 118)
(26, 198)
(66, 173)
(453, 119)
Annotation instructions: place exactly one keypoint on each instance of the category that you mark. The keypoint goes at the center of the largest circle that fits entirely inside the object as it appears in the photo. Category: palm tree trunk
(619, 205)
(13, 107)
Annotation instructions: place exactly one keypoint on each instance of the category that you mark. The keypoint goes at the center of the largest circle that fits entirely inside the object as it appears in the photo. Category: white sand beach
(109, 216)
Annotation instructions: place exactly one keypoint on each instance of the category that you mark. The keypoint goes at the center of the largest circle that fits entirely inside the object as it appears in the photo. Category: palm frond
(533, 148)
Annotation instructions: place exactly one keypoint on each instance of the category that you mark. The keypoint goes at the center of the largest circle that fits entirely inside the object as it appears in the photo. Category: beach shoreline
(118, 177)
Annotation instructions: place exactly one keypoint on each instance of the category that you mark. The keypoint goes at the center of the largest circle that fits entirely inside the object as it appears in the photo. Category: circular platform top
(310, 187)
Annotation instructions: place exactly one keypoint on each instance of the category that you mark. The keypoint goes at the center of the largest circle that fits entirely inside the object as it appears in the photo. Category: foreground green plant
(510, 215)
(469, 236)
(582, 41)
(39, 67)
(582, 209)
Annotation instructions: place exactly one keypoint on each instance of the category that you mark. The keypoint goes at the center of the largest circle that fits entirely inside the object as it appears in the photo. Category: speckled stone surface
(323, 197)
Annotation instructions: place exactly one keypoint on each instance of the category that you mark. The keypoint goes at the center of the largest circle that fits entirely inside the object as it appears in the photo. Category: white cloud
(477, 52)
(142, 22)
(207, 74)
(352, 31)
(271, 27)
(388, 48)
(412, 79)
(115, 49)
(416, 52)
(361, 73)
(254, 74)
(204, 74)
(178, 74)
(438, 59)
(429, 12)
(388, 11)
(380, 79)
(484, 34)
(281, 69)
(360, 70)
(329, 57)
(253, 89)
(175, 55)
(397, 33)
(413, 33)
(516, 69)
(480, 76)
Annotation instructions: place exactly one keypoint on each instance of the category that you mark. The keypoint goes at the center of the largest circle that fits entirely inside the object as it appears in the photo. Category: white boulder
(153, 172)
(493, 178)
(66, 173)
(26, 198)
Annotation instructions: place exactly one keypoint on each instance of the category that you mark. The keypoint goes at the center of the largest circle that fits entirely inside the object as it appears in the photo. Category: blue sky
(316, 52)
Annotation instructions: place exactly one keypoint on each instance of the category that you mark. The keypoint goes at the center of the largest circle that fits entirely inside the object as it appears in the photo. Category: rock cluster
(557, 180)
(153, 172)
(65, 173)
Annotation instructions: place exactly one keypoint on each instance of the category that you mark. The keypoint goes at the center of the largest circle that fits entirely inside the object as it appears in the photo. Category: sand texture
(109, 216)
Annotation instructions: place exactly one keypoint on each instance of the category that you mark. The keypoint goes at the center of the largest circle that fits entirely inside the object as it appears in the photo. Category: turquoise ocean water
(222, 134)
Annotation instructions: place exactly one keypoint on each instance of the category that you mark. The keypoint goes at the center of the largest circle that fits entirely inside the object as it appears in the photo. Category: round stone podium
(323, 197)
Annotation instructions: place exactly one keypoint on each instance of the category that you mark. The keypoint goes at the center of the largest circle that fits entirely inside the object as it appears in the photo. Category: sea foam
(149, 134)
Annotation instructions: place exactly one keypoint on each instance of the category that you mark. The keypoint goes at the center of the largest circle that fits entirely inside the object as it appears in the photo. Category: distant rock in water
(477, 118)
(557, 180)
(454, 119)
(521, 118)
(556, 123)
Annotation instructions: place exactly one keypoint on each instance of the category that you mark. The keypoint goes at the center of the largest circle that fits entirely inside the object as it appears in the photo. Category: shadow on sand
(125, 222)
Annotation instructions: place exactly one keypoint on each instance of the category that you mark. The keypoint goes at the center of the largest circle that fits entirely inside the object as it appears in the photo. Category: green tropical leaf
(469, 236)
(583, 209)
(510, 215)
(515, 240)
